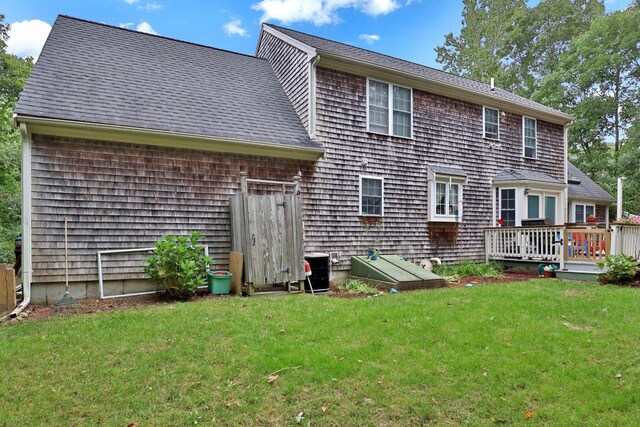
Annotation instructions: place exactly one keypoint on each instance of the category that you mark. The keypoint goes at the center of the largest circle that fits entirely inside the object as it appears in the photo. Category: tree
(14, 72)
(480, 52)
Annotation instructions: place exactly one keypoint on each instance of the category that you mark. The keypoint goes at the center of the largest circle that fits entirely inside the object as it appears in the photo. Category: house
(133, 136)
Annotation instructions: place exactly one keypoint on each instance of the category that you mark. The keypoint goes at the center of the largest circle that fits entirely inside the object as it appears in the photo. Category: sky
(407, 29)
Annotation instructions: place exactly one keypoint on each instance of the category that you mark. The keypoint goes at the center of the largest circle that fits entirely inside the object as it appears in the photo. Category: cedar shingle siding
(291, 66)
(119, 196)
(446, 132)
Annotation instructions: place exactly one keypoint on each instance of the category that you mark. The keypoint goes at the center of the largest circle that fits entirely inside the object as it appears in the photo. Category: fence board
(7, 288)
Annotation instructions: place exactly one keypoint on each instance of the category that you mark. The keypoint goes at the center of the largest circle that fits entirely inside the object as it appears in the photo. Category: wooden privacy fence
(586, 245)
(625, 239)
(7, 288)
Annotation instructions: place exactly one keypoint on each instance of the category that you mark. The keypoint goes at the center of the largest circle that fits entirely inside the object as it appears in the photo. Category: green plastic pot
(219, 282)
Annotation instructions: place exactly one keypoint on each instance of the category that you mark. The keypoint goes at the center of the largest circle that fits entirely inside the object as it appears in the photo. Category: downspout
(312, 95)
(565, 204)
(26, 219)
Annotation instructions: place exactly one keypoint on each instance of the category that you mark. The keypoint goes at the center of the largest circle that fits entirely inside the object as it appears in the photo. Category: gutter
(26, 218)
(104, 132)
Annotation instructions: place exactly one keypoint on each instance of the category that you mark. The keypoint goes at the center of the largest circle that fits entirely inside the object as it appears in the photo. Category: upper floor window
(371, 195)
(389, 109)
(491, 123)
(530, 134)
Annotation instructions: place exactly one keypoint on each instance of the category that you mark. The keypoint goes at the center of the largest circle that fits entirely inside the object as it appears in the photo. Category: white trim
(293, 42)
(381, 179)
(312, 95)
(565, 202)
(390, 109)
(484, 123)
(524, 138)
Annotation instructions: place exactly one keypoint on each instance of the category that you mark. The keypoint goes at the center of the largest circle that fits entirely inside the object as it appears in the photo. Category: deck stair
(582, 271)
(392, 271)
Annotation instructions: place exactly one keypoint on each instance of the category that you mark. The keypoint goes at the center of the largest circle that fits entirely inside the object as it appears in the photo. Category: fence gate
(267, 229)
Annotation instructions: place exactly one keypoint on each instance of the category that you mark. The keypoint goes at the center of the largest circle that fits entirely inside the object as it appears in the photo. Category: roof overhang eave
(132, 135)
(537, 184)
(354, 66)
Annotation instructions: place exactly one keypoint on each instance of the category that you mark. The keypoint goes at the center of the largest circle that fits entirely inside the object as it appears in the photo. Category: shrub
(354, 286)
(618, 269)
(178, 265)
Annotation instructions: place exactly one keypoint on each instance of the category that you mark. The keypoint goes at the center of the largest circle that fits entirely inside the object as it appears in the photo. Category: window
(371, 196)
(447, 198)
(529, 132)
(508, 206)
(533, 207)
(384, 109)
(582, 212)
(491, 123)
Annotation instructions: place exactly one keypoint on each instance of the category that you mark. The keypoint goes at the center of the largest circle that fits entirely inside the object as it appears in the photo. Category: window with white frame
(529, 134)
(371, 195)
(445, 194)
(508, 206)
(582, 212)
(389, 109)
(491, 123)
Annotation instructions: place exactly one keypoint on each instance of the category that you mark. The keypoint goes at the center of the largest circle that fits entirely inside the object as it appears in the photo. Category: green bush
(618, 269)
(354, 286)
(179, 265)
(468, 269)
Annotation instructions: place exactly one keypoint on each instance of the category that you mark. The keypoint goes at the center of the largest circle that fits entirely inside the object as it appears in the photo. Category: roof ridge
(388, 56)
(157, 36)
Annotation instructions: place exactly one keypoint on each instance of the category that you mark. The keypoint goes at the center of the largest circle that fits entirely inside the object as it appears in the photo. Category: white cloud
(151, 6)
(26, 38)
(131, 1)
(369, 38)
(319, 12)
(145, 27)
(126, 25)
(234, 27)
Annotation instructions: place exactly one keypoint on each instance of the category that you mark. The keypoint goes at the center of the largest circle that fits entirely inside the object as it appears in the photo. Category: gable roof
(583, 187)
(525, 175)
(95, 73)
(345, 51)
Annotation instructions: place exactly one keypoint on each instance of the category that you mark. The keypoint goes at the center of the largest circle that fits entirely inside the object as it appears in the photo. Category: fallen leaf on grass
(132, 425)
(528, 415)
(618, 376)
(325, 407)
(299, 417)
(272, 378)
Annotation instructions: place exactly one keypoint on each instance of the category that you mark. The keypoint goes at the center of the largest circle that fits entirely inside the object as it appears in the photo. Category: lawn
(541, 352)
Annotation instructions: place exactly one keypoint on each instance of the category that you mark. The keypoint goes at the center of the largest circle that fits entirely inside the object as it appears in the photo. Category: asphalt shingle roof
(390, 62)
(586, 189)
(91, 72)
(447, 170)
(525, 175)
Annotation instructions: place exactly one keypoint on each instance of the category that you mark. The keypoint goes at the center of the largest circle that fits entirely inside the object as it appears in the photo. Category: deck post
(244, 187)
(614, 239)
(486, 246)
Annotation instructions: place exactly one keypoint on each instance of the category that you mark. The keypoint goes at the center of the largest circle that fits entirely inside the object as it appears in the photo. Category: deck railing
(586, 245)
(625, 239)
(543, 243)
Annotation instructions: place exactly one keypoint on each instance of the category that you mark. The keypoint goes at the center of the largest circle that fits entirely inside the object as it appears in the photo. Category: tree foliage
(570, 55)
(14, 72)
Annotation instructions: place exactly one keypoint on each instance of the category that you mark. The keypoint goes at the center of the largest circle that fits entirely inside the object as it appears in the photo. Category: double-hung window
(582, 212)
(491, 123)
(389, 109)
(371, 196)
(508, 206)
(445, 196)
(529, 134)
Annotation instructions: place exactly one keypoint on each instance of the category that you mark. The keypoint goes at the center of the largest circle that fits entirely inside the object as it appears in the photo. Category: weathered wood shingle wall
(291, 66)
(119, 196)
(446, 132)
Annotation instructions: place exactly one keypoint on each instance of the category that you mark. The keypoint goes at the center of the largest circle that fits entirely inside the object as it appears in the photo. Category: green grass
(355, 286)
(465, 356)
